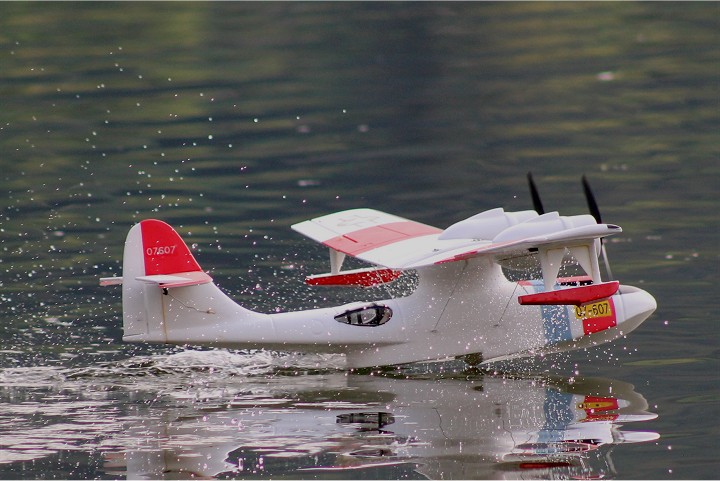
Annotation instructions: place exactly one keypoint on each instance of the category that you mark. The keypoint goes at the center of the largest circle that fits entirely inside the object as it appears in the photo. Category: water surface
(232, 121)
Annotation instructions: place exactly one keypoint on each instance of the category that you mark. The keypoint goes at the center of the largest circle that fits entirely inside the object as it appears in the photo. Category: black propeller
(595, 211)
(592, 206)
(537, 203)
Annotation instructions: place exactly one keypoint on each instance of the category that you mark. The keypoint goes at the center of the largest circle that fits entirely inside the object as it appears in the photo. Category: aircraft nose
(638, 305)
(641, 304)
(636, 436)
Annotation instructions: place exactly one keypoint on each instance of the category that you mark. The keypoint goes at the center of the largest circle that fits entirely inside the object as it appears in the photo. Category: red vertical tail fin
(166, 258)
(164, 252)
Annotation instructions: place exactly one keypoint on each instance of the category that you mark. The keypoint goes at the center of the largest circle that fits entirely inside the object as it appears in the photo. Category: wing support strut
(366, 277)
(336, 261)
(551, 260)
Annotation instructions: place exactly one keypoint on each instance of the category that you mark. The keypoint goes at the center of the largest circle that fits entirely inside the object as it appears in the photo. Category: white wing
(373, 236)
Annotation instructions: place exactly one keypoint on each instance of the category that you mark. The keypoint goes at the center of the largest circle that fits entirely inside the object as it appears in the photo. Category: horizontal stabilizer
(111, 281)
(367, 277)
(574, 295)
(181, 279)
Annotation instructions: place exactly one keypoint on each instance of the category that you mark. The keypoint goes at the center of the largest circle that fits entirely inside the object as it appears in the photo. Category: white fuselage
(458, 308)
(463, 304)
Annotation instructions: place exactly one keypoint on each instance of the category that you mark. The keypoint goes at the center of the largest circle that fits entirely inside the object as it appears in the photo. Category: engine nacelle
(486, 225)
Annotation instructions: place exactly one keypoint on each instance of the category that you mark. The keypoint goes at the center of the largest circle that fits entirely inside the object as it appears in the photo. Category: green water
(234, 120)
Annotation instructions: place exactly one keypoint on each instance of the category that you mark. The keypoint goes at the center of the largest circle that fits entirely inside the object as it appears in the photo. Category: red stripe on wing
(364, 240)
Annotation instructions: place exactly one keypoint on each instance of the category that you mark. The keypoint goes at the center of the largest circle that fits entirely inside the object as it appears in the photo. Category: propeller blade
(592, 204)
(595, 211)
(605, 260)
(537, 203)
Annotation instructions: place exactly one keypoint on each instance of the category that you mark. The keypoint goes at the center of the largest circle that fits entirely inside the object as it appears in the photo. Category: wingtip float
(463, 304)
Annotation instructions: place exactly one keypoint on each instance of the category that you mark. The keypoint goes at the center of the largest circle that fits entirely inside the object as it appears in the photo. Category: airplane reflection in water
(333, 425)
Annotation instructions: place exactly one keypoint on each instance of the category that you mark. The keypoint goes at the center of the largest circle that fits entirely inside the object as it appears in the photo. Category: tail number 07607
(160, 250)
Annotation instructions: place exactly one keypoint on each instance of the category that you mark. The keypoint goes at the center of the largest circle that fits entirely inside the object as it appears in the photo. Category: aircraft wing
(521, 246)
(398, 244)
(372, 236)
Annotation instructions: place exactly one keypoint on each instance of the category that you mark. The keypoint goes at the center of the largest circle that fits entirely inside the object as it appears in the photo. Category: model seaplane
(463, 304)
